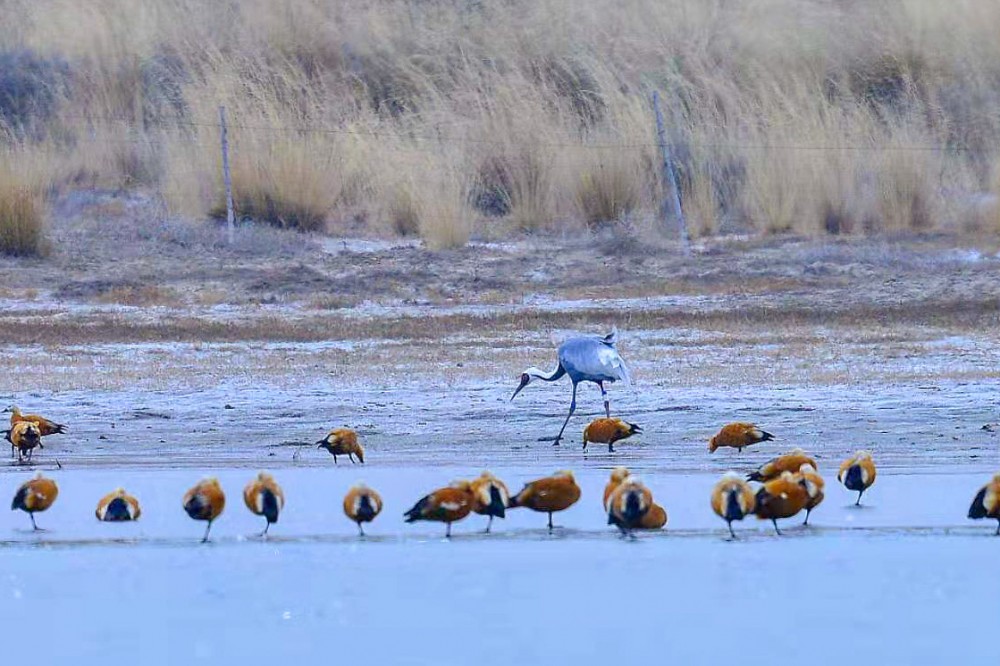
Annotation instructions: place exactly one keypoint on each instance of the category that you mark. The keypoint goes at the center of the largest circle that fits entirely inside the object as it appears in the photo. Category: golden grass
(22, 217)
(785, 115)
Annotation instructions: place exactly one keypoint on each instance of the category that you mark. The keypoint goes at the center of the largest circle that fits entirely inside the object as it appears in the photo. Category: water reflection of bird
(584, 359)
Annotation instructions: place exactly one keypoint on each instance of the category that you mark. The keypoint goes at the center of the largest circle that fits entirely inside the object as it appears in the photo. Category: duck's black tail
(270, 506)
(978, 509)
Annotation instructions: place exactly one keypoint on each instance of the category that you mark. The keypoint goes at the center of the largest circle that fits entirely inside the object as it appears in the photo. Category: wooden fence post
(227, 178)
(669, 174)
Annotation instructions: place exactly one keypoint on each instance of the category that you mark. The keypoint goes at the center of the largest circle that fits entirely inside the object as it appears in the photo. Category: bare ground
(139, 330)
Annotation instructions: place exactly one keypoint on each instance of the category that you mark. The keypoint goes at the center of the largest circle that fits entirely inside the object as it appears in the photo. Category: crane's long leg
(572, 408)
(607, 400)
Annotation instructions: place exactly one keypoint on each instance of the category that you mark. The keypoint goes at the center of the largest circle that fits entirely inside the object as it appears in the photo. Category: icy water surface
(899, 578)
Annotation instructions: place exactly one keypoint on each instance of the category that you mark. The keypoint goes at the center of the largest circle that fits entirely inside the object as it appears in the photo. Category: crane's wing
(593, 360)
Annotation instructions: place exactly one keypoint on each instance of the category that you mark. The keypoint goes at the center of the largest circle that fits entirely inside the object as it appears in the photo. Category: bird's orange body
(986, 503)
(118, 506)
(45, 426)
(361, 505)
(732, 499)
(628, 504)
(608, 431)
(618, 474)
(790, 462)
(264, 497)
(654, 519)
(780, 498)
(24, 436)
(813, 484)
(490, 497)
(737, 436)
(35, 496)
(444, 505)
(205, 501)
(343, 442)
(549, 495)
(858, 473)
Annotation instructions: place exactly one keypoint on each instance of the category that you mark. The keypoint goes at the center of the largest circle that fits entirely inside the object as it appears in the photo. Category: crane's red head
(525, 378)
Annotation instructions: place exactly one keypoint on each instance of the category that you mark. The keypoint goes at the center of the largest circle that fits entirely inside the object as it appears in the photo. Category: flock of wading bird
(789, 484)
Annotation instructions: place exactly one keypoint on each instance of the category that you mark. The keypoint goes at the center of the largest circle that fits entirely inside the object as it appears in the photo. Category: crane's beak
(524, 382)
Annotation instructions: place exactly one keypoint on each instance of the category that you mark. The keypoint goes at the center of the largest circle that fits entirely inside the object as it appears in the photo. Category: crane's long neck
(546, 376)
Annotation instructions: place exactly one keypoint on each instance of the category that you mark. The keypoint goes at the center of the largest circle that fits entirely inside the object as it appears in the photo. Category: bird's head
(10, 409)
(525, 380)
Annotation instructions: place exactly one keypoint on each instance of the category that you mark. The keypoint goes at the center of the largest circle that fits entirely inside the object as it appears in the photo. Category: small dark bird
(264, 497)
(987, 502)
(737, 436)
(444, 505)
(608, 431)
(732, 499)
(118, 507)
(343, 442)
(35, 496)
(858, 473)
(362, 504)
(490, 497)
(205, 501)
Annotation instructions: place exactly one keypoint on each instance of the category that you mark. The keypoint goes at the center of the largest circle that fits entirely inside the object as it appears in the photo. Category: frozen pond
(899, 579)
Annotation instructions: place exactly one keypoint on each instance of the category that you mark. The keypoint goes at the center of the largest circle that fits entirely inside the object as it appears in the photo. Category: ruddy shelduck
(34, 496)
(549, 494)
(490, 497)
(205, 501)
(789, 462)
(732, 499)
(444, 505)
(813, 484)
(343, 442)
(858, 473)
(264, 497)
(608, 431)
(618, 474)
(23, 436)
(118, 507)
(737, 436)
(780, 498)
(362, 504)
(628, 504)
(987, 502)
(45, 426)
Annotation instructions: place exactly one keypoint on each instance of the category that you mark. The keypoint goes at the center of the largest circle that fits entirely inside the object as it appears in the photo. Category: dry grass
(441, 117)
(22, 206)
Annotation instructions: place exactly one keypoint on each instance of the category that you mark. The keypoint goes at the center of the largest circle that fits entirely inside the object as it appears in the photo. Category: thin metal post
(669, 175)
(227, 178)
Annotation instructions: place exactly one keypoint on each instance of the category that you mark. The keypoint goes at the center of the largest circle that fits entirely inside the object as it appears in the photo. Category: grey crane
(584, 359)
